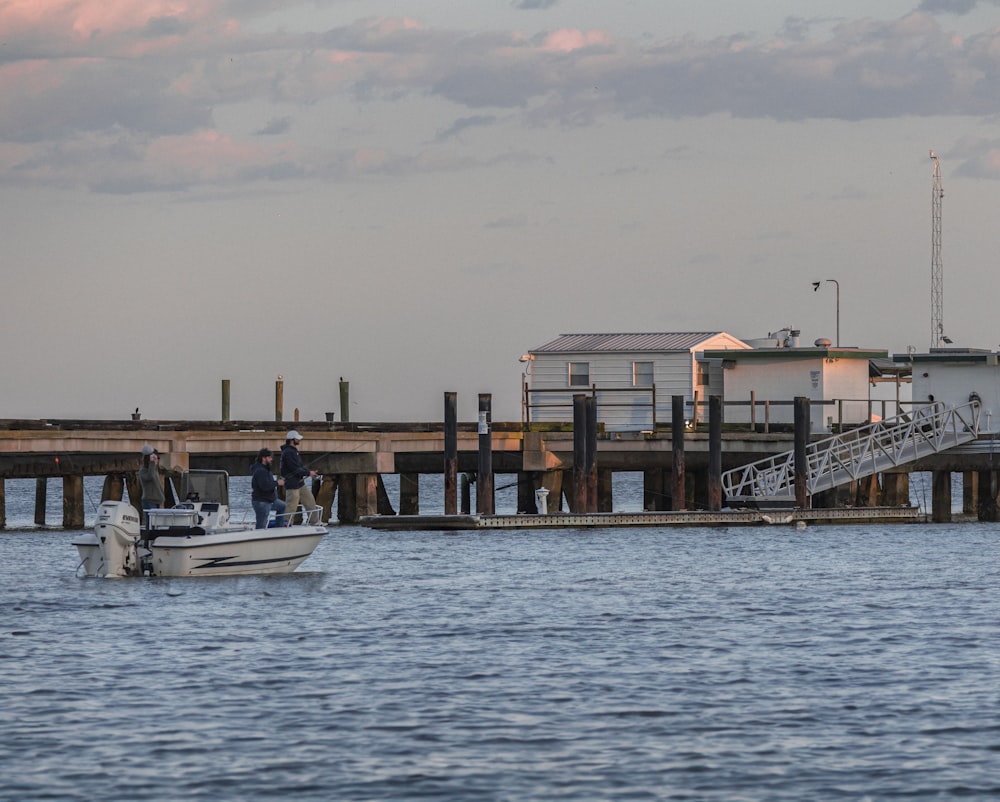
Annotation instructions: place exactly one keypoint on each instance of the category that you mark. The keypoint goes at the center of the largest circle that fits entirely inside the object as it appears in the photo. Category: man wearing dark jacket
(264, 489)
(295, 474)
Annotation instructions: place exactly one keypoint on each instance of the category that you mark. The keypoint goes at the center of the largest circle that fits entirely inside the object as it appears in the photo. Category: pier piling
(590, 453)
(73, 502)
(715, 453)
(345, 400)
(801, 468)
(579, 501)
(450, 453)
(678, 499)
(485, 502)
(41, 485)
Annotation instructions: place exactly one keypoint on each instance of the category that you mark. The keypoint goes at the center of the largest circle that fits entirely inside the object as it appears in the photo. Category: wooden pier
(352, 457)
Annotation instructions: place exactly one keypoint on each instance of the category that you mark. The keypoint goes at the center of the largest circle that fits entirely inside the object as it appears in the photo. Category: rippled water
(839, 662)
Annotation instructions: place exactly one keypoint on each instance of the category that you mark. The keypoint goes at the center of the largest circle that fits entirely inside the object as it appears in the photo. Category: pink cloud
(208, 154)
(570, 39)
(85, 18)
(370, 158)
(29, 77)
(122, 27)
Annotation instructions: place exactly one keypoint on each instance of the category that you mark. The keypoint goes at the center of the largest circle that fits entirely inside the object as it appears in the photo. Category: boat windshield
(207, 485)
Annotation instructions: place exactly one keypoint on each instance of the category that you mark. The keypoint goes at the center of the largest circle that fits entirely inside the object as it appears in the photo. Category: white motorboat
(195, 538)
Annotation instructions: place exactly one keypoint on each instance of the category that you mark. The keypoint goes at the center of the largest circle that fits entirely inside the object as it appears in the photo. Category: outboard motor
(118, 529)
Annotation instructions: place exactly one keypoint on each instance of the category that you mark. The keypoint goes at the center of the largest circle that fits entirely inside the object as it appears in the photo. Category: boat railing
(312, 517)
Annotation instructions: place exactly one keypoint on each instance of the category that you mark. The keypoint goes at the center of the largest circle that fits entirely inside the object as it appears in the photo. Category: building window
(704, 376)
(579, 374)
(642, 374)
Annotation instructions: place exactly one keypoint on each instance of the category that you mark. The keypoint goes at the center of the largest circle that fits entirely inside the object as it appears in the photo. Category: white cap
(293, 435)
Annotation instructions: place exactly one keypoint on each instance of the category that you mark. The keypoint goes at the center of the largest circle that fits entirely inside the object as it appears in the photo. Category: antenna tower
(937, 272)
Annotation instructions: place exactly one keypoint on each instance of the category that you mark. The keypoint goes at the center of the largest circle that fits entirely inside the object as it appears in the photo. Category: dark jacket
(262, 483)
(149, 481)
(292, 470)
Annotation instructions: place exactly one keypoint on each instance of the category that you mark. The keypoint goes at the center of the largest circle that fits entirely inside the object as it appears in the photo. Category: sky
(411, 195)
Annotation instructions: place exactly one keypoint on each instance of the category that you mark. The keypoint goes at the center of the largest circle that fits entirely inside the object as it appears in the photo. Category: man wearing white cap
(295, 474)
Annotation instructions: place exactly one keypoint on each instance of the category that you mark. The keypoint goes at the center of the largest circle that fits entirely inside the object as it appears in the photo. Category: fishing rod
(83, 482)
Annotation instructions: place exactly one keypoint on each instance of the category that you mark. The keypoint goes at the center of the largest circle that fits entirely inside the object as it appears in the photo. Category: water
(835, 663)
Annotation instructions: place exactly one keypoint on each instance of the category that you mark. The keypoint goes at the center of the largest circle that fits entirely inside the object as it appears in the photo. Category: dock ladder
(852, 455)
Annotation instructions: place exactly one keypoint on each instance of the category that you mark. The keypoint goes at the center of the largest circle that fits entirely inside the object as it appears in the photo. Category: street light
(837, 283)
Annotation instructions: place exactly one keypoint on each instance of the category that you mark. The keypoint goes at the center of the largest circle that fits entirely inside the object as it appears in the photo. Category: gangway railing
(855, 454)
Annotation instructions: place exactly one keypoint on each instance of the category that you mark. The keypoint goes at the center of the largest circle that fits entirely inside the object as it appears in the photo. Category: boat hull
(279, 550)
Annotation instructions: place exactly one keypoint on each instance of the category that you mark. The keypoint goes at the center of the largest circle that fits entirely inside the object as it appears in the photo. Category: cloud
(949, 6)
(276, 126)
(977, 157)
(79, 80)
(463, 124)
(534, 5)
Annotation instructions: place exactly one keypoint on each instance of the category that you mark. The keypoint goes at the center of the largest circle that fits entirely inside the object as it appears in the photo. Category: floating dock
(608, 520)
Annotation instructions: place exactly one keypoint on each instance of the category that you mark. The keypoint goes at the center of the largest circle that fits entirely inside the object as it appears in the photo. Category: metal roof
(650, 341)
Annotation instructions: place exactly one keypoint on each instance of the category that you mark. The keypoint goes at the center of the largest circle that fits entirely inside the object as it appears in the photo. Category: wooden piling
(409, 494)
(801, 467)
(327, 493)
(678, 500)
(605, 491)
(485, 502)
(134, 489)
(450, 453)
(970, 492)
(590, 453)
(113, 488)
(654, 489)
(554, 482)
(41, 485)
(527, 483)
(714, 453)
(225, 399)
(3, 503)
(347, 506)
(73, 502)
(466, 494)
(345, 400)
(941, 497)
(987, 506)
(579, 502)
(896, 489)
(367, 494)
(279, 400)
(383, 504)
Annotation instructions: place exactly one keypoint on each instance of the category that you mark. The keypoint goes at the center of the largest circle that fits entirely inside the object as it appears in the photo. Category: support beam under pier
(941, 497)
(409, 494)
(987, 487)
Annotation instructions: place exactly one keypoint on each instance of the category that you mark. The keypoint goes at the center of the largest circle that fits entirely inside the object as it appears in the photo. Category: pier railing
(834, 461)
(642, 408)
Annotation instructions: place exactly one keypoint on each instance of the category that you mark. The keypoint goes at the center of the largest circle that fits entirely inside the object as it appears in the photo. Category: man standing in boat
(295, 473)
(264, 489)
(149, 479)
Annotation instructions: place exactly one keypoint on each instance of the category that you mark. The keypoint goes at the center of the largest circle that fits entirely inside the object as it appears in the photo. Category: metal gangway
(843, 458)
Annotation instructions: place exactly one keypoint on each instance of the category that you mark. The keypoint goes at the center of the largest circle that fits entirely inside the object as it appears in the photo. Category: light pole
(837, 284)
